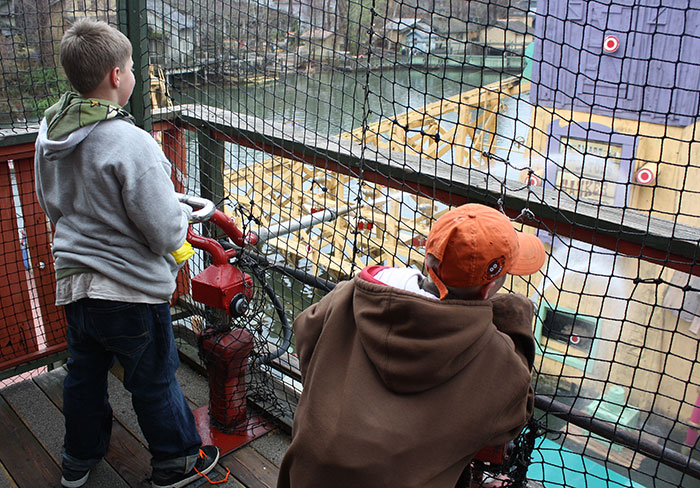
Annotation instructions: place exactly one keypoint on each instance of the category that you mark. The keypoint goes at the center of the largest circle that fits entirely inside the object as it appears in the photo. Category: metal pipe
(213, 247)
(303, 223)
(299, 275)
(310, 220)
(203, 208)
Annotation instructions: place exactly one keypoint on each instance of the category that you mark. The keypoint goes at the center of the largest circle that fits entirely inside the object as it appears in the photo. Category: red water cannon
(220, 285)
(224, 286)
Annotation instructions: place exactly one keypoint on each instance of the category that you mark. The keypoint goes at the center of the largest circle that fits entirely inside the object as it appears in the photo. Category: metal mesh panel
(338, 130)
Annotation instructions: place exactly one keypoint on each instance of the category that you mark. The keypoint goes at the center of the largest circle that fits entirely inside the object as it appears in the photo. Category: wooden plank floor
(31, 436)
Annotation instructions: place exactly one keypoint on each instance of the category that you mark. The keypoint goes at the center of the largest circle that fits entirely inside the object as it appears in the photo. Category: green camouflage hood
(72, 112)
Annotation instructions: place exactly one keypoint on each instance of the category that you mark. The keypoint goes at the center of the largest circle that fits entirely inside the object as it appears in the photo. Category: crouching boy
(407, 376)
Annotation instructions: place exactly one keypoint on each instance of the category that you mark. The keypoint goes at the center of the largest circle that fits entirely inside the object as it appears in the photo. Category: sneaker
(208, 457)
(74, 479)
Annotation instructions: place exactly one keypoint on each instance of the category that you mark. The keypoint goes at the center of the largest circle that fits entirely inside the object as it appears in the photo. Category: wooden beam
(251, 468)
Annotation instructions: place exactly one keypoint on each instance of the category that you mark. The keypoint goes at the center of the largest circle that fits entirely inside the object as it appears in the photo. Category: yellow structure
(423, 133)
(160, 94)
(386, 227)
(372, 232)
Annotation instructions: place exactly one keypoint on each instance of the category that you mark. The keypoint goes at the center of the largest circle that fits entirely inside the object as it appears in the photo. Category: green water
(331, 102)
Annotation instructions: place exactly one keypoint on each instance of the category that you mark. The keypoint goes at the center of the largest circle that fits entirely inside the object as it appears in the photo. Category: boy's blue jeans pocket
(140, 337)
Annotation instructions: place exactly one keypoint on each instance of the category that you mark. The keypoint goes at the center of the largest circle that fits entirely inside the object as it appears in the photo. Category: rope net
(339, 130)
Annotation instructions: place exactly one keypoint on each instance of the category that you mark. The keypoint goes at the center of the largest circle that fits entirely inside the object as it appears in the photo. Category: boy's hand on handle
(200, 209)
(184, 253)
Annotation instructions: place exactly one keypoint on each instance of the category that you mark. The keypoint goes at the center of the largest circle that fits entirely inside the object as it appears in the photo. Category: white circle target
(645, 176)
(611, 44)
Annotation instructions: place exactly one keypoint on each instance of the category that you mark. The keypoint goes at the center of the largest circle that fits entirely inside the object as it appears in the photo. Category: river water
(331, 102)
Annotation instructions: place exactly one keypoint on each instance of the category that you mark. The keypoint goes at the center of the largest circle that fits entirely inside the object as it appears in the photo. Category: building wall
(652, 74)
(634, 328)
(618, 84)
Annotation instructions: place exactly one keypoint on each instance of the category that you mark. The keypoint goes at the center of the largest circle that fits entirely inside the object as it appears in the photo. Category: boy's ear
(114, 77)
(485, 289)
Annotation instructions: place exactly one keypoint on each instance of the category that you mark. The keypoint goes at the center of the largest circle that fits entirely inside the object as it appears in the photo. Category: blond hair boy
(105, 185)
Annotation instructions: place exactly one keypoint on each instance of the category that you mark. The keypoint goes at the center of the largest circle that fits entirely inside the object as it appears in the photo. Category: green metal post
(211, 177)
(133, 23)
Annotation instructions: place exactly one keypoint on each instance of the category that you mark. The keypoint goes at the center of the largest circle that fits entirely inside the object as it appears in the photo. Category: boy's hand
(184, 253)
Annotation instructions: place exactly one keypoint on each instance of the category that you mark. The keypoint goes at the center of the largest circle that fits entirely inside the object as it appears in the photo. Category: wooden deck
(31, 436)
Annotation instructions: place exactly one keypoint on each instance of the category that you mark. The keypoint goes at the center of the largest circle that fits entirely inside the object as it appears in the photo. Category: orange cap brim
(531, 255)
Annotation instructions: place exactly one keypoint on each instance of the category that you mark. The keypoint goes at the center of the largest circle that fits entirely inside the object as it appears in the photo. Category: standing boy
(406, 377)
(105, 185)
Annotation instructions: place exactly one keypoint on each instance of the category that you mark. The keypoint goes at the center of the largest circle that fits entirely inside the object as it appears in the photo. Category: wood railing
(33, 328)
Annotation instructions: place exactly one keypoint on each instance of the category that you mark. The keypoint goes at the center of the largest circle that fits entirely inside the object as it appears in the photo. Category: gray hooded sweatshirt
(105, 185)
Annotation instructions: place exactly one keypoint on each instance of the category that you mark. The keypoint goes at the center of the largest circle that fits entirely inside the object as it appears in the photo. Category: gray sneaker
(74, 479)
(208, 457)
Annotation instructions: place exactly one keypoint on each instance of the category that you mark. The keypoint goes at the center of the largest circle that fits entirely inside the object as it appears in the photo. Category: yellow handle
(184, 253)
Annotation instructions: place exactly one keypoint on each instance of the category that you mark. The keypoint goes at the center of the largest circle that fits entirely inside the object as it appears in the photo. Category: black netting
(339, 130)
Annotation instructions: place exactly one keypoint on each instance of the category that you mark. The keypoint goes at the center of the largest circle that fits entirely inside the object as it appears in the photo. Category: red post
(226, 356)
(175, 149)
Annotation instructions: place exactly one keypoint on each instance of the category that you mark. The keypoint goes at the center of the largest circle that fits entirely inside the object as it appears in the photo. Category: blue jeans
(140, 337)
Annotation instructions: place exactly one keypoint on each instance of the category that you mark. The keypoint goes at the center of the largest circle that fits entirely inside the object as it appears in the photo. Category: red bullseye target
(611, 44)
(644, 176)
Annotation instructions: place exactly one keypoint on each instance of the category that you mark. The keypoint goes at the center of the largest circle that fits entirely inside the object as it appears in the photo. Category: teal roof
(556, 466)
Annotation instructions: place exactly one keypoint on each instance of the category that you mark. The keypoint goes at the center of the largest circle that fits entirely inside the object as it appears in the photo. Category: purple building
(633, 59)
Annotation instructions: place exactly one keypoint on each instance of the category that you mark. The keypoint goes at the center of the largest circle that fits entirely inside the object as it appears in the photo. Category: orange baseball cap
(477, 244)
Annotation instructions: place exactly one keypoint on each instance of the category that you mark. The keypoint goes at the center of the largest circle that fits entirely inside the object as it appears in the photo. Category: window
(590, 162)
(565, 336)
(591, 170)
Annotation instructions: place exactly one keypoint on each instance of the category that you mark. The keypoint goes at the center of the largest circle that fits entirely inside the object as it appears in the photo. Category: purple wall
(653, 76)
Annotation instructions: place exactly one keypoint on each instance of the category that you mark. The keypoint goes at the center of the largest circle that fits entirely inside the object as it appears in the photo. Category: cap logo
(494, 268)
